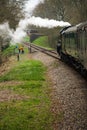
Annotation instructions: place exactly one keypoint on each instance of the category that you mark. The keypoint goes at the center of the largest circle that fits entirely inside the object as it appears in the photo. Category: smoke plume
(40, 22)
(5, 31)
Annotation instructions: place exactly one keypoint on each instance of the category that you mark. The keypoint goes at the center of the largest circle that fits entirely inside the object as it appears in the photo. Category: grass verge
(9, 51)
(27, 39)
(42, 41)
(33, 112)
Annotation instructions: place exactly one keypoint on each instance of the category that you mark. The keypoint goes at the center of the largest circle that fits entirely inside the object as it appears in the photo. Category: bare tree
(10, 10)
(73, 11)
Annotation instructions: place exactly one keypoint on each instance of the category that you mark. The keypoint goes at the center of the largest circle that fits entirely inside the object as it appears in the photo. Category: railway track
(51, 53)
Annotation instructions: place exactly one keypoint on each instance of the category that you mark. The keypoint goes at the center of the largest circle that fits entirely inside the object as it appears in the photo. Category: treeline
(11, 12)
(73, 11)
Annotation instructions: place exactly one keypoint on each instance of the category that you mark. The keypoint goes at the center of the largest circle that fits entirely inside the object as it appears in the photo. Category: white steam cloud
(37, 21)
(19, 33)
(5, 31)
(40, 22)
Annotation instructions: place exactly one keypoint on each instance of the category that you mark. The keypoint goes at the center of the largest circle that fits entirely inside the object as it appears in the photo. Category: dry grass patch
(11, 83)
(6, 66)
(9, 95)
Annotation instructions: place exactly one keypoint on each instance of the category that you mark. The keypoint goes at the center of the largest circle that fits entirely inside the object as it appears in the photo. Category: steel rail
(51, 53)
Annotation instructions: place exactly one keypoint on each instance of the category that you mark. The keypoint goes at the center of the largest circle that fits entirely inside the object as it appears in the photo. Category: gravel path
(69, 94)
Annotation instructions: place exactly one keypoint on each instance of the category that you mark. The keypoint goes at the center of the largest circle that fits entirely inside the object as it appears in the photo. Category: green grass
(29, 70)
(32, 113)
(27, 39)
(42, 41)
(9, 51)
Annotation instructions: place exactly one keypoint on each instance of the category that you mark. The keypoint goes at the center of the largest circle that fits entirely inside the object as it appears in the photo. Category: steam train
(73, 47)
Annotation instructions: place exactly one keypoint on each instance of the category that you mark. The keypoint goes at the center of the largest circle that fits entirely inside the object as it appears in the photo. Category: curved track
(51, 53)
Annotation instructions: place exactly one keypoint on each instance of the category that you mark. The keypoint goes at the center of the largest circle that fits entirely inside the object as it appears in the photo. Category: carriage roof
(74, 29)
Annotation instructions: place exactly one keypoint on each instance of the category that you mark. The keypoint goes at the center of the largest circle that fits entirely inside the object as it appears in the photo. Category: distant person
(19, 50)
(18, 57)
(16, 46)
(22, 51)
(59, 47)
(16, 49)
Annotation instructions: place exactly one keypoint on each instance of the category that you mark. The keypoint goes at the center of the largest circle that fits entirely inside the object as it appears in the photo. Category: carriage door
(82, 46)
(85, 51)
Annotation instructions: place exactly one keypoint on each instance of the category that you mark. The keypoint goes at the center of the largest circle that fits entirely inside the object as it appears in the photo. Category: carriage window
(73, 40)
(83, 41)
(63, 42)
(69, 42)
(86, 38)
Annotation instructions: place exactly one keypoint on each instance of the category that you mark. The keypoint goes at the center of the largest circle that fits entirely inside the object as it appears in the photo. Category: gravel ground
(69, 94)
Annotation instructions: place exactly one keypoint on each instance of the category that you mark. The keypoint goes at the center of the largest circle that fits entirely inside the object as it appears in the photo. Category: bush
(6, 53)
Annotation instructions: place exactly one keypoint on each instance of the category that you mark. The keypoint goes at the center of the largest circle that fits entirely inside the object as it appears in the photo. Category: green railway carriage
(74, 46)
